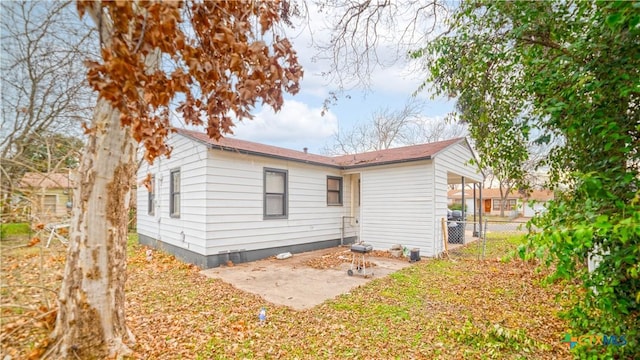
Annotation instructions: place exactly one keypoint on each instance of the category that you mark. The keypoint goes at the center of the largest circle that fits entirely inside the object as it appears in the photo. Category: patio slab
(293, 283)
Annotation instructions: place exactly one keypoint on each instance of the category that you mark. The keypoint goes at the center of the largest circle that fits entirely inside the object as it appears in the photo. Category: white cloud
(399, 78)
(295, 126)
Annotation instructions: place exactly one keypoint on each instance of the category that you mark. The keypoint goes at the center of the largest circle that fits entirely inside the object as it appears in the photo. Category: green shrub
(457, 207)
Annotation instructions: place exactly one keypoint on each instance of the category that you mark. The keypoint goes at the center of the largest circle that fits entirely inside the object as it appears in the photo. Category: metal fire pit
(358, 259)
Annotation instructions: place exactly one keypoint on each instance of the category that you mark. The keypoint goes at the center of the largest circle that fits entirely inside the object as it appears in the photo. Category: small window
(334, 190)
(152, 196)
(275, 193)
(49, 204)
(510, 204)
(174, 194)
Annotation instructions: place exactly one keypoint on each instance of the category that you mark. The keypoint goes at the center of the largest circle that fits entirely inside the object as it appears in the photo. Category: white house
(234, 200)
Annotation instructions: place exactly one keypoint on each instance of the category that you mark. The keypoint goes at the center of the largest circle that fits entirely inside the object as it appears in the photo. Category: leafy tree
(45, 152)
(215, 59)
(570, 71)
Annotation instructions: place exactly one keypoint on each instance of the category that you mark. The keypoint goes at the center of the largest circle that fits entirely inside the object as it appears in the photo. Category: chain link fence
(470, 239)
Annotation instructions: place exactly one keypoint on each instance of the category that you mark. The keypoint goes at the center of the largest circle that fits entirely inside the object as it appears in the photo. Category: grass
(498, 246)
(14, 230)
(460, 308)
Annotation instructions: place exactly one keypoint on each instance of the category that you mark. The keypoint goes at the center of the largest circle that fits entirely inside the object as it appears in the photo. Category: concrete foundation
(236, 256)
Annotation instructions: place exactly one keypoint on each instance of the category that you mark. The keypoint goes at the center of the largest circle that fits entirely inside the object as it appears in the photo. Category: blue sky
(299, 124)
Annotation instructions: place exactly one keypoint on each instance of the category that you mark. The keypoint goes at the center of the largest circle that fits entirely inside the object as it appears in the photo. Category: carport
(453, 180)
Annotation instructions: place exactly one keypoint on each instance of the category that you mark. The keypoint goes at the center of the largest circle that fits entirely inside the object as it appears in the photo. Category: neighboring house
(49, 195)
(526, 205)
(233, 200)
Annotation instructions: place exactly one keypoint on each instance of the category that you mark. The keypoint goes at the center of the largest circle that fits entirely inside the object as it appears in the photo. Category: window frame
(340, 190)
(509, 204)
(497, 204)
(47, 207)
(151, 197)
(173, 194)
(285, 195)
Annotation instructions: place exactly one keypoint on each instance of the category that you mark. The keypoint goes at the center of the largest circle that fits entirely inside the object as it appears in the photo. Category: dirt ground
(307, 279)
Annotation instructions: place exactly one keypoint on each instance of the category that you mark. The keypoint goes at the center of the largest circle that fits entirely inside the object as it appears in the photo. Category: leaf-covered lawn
(456, 308)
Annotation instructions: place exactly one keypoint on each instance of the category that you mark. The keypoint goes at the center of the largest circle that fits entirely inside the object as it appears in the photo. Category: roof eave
(271, 156)
(256, 153)
(311, 162)
(390, 162)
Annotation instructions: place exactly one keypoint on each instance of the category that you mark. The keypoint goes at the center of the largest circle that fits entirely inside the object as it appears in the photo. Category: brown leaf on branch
(223, 53)
(34, 240)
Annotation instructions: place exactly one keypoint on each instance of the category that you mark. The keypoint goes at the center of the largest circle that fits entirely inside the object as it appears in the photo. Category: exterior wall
(222, 210)
(397, 206)
(189, 230)
(454, 159)
(234, 202)
(39, 208)
(439, 207)
(221, 214)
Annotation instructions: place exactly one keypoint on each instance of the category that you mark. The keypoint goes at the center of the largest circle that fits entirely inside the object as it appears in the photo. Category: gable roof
(45, 181)
(248, 147)
(395, 155)
(494, 193)
(380, 157)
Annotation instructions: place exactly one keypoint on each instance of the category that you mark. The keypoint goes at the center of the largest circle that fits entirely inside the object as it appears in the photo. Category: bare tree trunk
(503, 200)
(91, 317)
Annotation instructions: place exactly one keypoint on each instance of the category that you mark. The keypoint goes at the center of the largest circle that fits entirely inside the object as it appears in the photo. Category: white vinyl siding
(453, 160)
(223, 207)
(235, 205)
(396, 206)
(189, 230)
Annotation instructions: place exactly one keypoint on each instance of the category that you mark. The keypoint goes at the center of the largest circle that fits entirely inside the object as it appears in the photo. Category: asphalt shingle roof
(395, 155)
(46, 181)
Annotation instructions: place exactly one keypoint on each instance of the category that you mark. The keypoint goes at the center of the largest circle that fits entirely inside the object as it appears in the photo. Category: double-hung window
(334, 190)
(174, 193)
(49, 204)
(152, 196)
(509, 204)
(275, 194)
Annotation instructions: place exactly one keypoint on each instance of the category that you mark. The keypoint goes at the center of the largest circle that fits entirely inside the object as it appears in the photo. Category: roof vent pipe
(305, 150)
